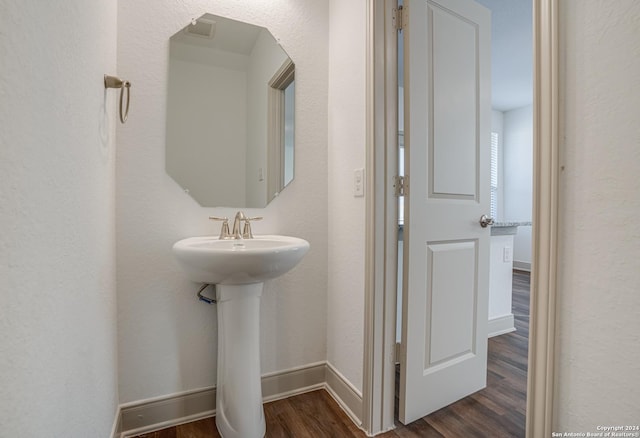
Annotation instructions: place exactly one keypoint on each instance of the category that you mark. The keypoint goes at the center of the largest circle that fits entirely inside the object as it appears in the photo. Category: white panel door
(446, 251)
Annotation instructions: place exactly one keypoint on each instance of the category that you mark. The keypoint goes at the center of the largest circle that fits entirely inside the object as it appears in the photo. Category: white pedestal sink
(238, 268)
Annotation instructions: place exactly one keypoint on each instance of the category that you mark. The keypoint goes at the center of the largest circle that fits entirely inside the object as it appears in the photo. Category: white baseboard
(345, 394)
(117, 424)
(157, 413)
(294, 381)
(522, 266)
(501, 325)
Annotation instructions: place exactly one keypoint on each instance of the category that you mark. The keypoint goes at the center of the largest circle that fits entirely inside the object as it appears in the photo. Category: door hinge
(398, 18)
(400, 185)
(398, 352)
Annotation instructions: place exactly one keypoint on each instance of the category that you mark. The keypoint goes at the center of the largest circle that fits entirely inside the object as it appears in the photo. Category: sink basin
(211, 260)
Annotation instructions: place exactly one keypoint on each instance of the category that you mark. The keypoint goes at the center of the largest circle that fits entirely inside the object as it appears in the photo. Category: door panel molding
(451, 318)
(446, 28)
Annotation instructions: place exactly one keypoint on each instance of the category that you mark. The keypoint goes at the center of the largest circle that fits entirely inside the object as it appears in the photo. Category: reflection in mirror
(230, 113)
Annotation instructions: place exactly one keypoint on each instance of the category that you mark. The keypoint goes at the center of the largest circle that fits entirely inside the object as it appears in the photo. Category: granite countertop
(511, 224)
(507, 228)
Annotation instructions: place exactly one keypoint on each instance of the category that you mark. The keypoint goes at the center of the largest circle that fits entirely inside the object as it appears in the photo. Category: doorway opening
(502, 405)
(381, 223)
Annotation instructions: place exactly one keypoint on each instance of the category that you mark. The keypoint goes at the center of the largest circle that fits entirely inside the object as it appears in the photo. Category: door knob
(485, 221)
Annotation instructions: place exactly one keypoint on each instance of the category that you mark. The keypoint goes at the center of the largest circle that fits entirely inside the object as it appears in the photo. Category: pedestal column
(239, 412)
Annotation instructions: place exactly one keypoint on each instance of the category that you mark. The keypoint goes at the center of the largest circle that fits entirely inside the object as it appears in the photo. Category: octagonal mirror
(230, 113)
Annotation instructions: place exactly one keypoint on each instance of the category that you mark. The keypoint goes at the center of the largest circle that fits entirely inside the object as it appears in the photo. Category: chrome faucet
(237, 222)
(246, 229)
(236, 225)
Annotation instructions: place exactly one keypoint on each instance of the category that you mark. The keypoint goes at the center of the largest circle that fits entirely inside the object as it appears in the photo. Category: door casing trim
(546, 169)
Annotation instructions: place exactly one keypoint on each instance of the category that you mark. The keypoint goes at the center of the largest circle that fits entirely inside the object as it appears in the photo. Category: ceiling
(511, 53)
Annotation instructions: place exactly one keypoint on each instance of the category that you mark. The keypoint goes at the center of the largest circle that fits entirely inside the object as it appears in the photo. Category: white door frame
(381, 222)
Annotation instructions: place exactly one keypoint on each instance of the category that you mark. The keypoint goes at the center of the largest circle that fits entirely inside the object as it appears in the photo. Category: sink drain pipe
(202, 297)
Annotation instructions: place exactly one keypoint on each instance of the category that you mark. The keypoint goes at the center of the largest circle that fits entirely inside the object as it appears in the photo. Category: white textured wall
(347, 127)
(599, 285)
(58, 367)
(518, 176)
(167, 339)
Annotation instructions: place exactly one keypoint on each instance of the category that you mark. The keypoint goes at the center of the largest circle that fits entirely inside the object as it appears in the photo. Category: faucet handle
(224, 230)
(246, 230)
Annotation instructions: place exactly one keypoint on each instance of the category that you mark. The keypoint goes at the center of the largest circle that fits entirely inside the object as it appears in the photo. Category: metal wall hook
(115, 82)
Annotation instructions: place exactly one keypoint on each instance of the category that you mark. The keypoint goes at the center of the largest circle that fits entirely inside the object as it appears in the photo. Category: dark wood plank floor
(497, 411)
(314, 414)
